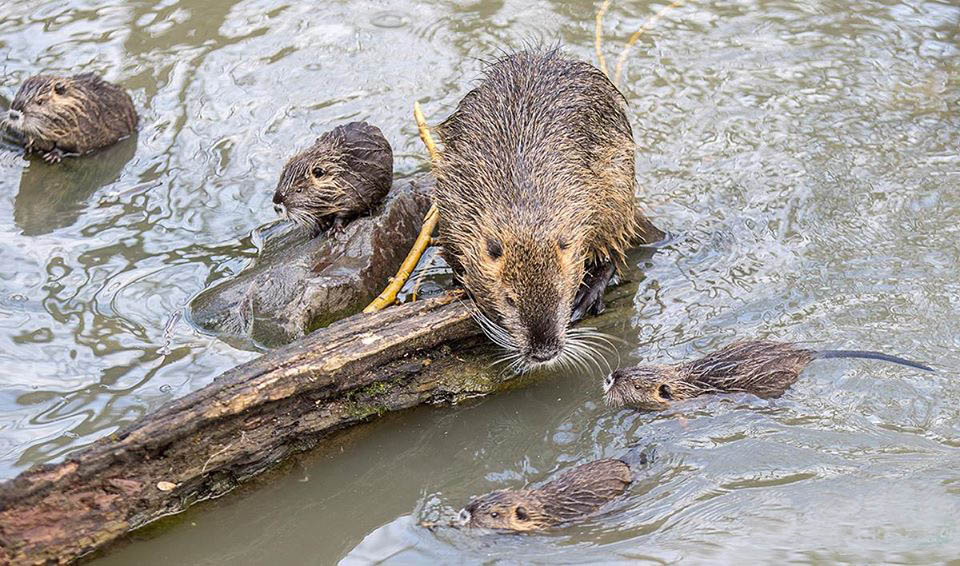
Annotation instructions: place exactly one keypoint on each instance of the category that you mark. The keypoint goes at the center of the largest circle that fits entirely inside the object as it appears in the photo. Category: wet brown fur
(572, 495)
(77, 114)
(535, 184)
(761, 367)
(344, 174)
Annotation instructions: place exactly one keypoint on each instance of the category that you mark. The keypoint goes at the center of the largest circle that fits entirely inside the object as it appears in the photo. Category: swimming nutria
(761, 367)
(344, 174)
(572, 495)
(64, 115)
(536, 193)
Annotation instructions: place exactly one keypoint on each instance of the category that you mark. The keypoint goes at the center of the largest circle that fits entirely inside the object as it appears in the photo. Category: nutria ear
(664, 392)
(521, 513)
(494, 248)
(59, 88)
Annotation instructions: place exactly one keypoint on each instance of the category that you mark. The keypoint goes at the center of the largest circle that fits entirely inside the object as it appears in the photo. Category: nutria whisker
(594, 338)
(596, 341)
(582, 351)
(496, 333)
(509, 358)
(579, 358)
(570, 357)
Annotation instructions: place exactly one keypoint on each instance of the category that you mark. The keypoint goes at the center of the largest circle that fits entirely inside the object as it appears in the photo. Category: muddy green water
(807, 155)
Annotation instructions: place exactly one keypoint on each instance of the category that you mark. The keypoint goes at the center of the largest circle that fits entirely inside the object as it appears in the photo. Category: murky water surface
(806, 153)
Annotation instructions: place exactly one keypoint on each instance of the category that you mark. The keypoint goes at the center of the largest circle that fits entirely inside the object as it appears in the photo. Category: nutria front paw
(337, 227)
(589, 299)
(53, 156)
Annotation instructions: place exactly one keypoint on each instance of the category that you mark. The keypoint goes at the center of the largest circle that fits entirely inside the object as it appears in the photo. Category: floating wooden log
(249, 419)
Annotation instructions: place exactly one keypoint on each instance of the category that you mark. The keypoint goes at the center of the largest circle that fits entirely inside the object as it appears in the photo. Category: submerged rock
(296, 285)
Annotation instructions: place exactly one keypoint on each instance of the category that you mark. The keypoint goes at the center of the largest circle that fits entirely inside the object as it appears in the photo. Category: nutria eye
(494, 514)
(318, 172)
(60, 89)
(563, 243)
(510, 302)
(494, 248)
(664, 392)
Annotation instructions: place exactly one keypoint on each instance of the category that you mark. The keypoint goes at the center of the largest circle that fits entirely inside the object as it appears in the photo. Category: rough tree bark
(247, 420)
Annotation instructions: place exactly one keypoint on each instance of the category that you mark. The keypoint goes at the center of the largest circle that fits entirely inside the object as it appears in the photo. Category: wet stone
(298, 284)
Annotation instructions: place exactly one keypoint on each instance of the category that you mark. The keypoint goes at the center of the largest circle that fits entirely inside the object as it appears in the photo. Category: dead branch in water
(598, 38)
(636, 36)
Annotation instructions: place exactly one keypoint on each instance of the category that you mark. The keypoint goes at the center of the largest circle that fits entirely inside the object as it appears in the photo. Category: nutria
(761, 367)
(572, 495)
(344, 174)
(70, 115)
(536, 193)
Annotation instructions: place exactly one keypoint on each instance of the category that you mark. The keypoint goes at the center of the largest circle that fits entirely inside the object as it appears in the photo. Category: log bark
(247, 420)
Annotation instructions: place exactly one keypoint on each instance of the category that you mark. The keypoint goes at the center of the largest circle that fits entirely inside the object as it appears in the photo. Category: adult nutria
(761, 367)
(573, 494)
(70, 115)
(536, 193)
(344, 174)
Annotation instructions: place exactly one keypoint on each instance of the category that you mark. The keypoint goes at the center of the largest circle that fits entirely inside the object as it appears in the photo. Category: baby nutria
(573, 494)
(536, 193)
(344, 174)
(70, 115)
(761, 367)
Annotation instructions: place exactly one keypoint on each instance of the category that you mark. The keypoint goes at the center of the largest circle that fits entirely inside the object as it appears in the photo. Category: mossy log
(247, 420)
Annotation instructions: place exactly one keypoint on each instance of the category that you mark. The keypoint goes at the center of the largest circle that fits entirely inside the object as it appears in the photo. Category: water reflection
(54, 196)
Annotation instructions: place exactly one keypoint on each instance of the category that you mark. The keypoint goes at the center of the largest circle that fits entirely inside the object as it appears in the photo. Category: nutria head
(344, 174)
(72, 114)
(523, 273)
(648, 388)
(506, 510)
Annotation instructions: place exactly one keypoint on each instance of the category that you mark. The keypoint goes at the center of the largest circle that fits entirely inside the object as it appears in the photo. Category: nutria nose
(14, 114)
(608, 382)
(277, 198)
(545, 353)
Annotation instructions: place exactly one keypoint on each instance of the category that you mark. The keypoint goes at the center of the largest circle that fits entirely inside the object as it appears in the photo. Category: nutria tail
(824, 354)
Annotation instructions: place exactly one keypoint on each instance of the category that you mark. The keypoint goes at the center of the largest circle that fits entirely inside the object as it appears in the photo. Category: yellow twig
(598, 36)
(637, 34)
(425, 132)
(389, 295)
